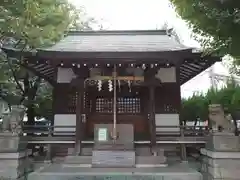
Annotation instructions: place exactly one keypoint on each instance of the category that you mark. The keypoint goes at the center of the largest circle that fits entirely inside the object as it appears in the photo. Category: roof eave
(117, 32)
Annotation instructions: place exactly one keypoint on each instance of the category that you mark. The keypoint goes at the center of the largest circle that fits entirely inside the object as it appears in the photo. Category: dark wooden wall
(167, 98)
(167, 101)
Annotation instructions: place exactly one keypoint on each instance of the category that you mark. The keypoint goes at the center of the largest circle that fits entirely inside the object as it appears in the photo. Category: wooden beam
(152, 115)
(51, 81)
(121, 78)
(188, 69)
(207, 65)
(114, 57)
(79, 111)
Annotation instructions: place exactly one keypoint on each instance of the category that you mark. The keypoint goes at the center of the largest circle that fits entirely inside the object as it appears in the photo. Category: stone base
(14, 161)
(141, 161)
(14, 165)
(221, 141)
(151, 161)
(12, 143)
(220, 165)
(113, 158)
(119, 153)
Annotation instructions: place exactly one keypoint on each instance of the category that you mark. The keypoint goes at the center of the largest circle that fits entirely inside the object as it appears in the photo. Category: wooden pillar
(79, 124)
(152, 115)
(49, 146)
(151, 82)
(182, 126)
(183, 146)
(49, 153)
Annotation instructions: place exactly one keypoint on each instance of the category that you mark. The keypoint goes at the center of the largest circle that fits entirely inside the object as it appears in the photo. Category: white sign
(102, 134)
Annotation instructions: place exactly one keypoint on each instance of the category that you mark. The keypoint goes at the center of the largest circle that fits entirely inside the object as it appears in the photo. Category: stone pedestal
(221, 157)
(223, 142)
(109, 153)
(14, 162)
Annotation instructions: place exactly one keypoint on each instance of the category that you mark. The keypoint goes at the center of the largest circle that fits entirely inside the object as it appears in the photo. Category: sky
(147, 15)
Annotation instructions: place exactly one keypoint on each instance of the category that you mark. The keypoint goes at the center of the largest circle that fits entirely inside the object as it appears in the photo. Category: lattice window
(124, 105)
(86, 102)
(72, 100)
(104, 105)
(129, 105)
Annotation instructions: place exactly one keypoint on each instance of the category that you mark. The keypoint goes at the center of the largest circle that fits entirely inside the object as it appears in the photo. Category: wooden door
(129, 111)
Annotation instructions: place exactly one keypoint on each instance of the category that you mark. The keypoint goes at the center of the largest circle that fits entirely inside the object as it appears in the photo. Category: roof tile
(117, 41)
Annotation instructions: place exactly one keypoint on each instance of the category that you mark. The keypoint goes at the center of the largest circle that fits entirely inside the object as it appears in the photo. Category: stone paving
(175, 171)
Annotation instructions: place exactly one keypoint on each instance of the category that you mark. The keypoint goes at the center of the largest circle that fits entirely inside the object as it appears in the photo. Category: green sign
(102, 134)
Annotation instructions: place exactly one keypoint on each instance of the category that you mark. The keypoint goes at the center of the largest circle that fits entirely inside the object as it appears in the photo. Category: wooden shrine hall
(143, 70)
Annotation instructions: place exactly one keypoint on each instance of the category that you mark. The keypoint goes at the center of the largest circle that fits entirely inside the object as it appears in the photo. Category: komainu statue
(218, 119)
(12, 122)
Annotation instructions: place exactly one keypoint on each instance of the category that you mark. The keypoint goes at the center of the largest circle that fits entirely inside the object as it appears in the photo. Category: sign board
(102, 134)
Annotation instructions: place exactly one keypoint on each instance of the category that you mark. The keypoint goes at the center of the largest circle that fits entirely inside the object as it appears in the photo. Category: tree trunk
(32, 92)
(30, 114)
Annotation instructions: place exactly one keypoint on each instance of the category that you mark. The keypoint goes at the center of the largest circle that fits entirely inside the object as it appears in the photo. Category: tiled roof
(103, 45)
(118, 41)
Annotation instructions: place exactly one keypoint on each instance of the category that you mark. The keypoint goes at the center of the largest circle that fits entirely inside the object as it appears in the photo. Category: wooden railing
(179, 135)
(180, 130)
(42, 134)
(162, 131)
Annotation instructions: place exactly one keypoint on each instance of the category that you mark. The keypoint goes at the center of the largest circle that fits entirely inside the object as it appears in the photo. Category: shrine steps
(140, 161)
(178, 171)
(63, 150)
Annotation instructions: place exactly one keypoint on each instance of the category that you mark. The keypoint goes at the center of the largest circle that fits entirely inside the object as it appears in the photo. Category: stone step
(116, 158)
(65, 150)
(176, 172)
(140, 151)
(78, 160)
(140, 161)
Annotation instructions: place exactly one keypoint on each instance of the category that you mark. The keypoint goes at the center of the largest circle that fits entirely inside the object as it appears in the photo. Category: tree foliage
(216, 23)
(37, 22)
(197, 105)
(26, 25)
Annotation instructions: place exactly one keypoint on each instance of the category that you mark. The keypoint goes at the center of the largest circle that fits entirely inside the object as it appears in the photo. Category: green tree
(216, 23)
(197, 105)
(26, 25)
(194, 108)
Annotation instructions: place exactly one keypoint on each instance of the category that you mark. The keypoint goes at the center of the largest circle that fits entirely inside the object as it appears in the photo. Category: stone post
(14, 162)
(221, 157)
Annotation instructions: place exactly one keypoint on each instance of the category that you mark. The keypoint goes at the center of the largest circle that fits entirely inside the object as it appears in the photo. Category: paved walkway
(56, 171)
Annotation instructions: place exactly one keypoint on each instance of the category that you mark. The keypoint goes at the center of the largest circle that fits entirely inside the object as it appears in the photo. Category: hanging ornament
(99, 85)
(91, 82)
(144, 66)
(110, 85)
(129, 86)
(119, 85)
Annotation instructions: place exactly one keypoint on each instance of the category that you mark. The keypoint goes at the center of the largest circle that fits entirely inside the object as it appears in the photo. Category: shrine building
(149, 68)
